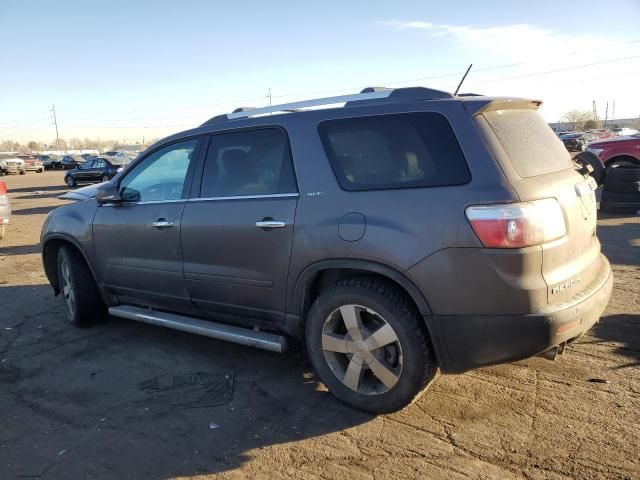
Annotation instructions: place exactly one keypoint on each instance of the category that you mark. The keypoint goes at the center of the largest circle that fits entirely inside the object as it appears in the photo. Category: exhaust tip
(550, 354)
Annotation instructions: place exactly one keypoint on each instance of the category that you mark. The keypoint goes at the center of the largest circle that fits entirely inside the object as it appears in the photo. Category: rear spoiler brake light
(479, 105)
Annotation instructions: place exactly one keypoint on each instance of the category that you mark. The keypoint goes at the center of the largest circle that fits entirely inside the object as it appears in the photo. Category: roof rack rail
(368, 96)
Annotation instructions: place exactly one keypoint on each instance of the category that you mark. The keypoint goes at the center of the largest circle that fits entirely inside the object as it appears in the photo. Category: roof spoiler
(478, 105)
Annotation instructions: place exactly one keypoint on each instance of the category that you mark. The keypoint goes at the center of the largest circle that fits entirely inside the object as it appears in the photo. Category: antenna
(463, 77)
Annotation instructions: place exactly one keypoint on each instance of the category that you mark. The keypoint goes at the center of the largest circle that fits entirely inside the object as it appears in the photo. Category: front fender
(71, 224)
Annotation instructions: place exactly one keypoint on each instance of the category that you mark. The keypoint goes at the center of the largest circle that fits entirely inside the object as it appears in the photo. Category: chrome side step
(243, 336)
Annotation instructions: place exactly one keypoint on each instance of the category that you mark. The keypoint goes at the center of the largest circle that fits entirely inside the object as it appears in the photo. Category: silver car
(11, 164)
(5, 209)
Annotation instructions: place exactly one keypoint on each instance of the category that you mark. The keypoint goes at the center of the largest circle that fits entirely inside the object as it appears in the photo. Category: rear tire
(83, 305)
(621, 187)
(615, 197)
(22, 172)
(368, 377)
(105, 178)
(624, 173)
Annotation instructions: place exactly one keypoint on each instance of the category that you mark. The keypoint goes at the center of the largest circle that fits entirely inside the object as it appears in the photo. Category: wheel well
(329, 276)
(50, 259)
(623, 158)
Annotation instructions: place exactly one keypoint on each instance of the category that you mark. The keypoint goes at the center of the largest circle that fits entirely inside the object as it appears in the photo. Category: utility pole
(55, 122)
(269, 96)
(606, 115)
(613, 111)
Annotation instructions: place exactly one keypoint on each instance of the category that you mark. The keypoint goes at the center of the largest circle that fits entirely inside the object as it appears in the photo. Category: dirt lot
(125, 400)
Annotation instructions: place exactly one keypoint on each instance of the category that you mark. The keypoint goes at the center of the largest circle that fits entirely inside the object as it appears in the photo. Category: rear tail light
(3, 188)
(517, 225)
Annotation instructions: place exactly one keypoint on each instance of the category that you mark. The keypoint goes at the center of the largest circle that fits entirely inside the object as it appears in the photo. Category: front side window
(394, 151)
(160, 176)
(252, 162)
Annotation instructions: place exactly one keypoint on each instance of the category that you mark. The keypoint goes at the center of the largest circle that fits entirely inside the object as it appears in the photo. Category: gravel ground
(127, 400)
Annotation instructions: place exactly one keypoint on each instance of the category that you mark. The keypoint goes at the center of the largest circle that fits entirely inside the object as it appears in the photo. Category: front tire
(70, 181)
(105, 178)
(83, 305)
(369, 345)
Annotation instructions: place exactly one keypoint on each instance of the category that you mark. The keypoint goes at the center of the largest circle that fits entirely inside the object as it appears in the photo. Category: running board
(219, 331)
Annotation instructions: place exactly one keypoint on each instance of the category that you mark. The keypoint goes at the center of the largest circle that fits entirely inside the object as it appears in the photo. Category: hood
(616, 139)
(80, 194)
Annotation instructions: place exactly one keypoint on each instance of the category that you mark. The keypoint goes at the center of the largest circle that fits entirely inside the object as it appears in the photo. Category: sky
(131, 70)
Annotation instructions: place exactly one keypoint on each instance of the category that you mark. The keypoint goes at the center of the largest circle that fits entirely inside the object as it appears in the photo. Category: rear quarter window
(394, 151)
(529, 142)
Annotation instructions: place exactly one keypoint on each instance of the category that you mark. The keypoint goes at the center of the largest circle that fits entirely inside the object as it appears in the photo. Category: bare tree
(9, 146)
(577, 119)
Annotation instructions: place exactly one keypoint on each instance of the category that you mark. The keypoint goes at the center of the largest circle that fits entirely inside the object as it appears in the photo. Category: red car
(617, 150)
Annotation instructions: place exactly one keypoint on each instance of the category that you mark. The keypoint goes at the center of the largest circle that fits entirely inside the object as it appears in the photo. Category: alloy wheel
(67, 287)
(362, 349)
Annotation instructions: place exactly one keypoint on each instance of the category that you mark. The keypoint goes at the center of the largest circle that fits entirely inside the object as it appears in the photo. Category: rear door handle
(270, 224)
(161, 223)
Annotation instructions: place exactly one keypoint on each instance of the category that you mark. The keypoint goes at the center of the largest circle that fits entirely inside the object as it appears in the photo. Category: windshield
(118, 160)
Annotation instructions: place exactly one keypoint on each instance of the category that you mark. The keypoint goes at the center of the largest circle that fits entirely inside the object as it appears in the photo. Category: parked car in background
(617, 150)
(5, 209)
(599, 134)
(70, 162)
(262, 224)
(574, 142)
(31, 163)
(51, 162)
(11, 164)
(87, 156)
(95, 170)
(624, 131)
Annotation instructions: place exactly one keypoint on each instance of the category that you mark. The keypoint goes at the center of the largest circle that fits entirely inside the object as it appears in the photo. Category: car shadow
(19, 249)
(128, 400)
(620, 243)
(34, 210)
(38, 196)
(623, 330)
(45, 188)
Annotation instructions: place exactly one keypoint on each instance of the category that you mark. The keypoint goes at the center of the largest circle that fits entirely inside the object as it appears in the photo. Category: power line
(22, 125)
(16, 134)
(557, 70)
(166, 109)
(132, 126)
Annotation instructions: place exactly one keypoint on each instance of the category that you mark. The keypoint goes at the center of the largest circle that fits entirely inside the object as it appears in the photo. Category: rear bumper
(466, 342)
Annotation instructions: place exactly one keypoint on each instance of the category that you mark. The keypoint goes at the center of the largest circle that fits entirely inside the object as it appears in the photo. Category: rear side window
(531, 145)
(251, 162)
(394, 151)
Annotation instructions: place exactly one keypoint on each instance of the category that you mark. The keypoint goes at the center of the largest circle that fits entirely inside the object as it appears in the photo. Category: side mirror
(108, 193)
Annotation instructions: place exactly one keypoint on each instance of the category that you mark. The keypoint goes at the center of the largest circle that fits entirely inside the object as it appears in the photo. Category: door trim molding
(245, 197)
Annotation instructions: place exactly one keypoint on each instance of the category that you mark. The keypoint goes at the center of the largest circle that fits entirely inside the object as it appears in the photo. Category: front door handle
(162, 223)
(270, 224)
